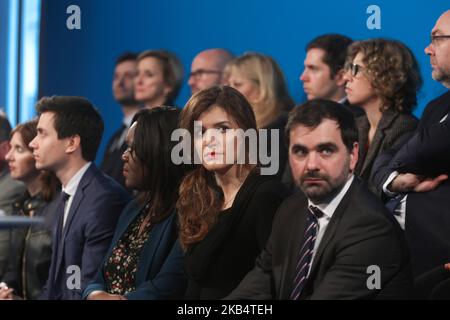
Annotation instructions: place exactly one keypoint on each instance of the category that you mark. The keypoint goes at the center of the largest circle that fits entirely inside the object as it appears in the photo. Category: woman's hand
(7, 294)
(102, 295)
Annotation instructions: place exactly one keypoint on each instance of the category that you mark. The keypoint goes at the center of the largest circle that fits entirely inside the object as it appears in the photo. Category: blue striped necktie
(306, 252)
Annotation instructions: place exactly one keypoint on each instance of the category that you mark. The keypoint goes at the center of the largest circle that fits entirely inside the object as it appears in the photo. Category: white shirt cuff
(391, 178)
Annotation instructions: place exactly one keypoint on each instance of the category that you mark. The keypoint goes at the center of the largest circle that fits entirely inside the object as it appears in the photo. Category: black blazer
(392, 126)
(217, 264)
(427, 220)
(360, 233)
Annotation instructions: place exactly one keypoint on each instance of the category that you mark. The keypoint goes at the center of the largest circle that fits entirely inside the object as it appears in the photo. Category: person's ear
(354, 155)
(339, 78)
(73, 144)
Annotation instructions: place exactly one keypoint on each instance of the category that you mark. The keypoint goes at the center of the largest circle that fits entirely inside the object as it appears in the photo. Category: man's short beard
(443, 76)
(323, 194)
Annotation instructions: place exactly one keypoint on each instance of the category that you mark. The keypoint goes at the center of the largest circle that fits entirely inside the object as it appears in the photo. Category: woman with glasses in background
(383, 78)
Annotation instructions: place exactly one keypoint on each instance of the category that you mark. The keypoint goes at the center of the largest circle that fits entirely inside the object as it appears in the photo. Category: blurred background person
(30, 256)
(145, 258)
(259, 78)
(123, 91)
(10, 191)
(383, 78)
(159, 78)
(207, 69)
(225, 209)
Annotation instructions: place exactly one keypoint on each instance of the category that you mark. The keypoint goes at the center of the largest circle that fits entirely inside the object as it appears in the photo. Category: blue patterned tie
(306, 252)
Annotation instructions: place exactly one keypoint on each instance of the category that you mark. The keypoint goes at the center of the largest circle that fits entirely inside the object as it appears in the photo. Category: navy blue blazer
(160, 272)
(87, 235)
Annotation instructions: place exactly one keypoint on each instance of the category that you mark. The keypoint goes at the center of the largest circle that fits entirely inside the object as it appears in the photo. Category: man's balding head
(207, 68)
(439, 49)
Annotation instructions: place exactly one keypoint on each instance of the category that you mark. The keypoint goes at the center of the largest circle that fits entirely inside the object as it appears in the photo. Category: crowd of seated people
(360, 181)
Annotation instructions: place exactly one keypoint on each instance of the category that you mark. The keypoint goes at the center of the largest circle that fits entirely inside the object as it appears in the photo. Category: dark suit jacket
(160, 272)
(112, 163)
(361, 233)
(426, 222)
(87, 235)
(392, 126)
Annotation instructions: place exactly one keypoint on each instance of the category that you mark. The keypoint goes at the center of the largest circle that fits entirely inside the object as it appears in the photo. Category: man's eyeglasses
(436, 39)
(200, 72)
(354, 69)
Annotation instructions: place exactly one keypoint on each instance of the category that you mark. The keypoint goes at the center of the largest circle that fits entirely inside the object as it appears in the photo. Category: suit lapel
(330, 232)
(152, 245)
(77, 200)
(295, 241)
(386, 121)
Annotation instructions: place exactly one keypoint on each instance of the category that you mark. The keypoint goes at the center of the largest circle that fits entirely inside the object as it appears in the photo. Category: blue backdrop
(81, 62)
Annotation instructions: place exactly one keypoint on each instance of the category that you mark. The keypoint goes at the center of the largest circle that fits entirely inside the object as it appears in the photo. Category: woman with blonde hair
(259, 78)
(225, 208)
(159, 78)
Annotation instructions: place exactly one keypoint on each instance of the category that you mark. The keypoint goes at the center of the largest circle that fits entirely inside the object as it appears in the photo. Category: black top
(217, 264)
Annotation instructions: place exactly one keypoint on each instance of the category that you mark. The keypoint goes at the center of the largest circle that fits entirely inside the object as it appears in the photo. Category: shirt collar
(127, 120)
(329, 208)
(73, 183)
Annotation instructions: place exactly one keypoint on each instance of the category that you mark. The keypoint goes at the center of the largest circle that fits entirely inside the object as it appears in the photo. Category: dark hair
(5, 128)
(49, 182)
(75, 116)
(392, 70)
(313, 112)
(152, 146)
(200, 198)
(126, 56)
(335, 47)
(172, 71)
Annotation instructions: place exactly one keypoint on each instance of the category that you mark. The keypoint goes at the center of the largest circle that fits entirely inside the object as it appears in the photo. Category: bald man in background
(207, 68)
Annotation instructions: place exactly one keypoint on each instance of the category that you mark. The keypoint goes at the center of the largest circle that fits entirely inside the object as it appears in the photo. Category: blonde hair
(267, 75)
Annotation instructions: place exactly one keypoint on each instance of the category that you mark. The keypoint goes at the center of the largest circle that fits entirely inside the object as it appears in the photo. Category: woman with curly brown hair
(383, 78)
(225, 208)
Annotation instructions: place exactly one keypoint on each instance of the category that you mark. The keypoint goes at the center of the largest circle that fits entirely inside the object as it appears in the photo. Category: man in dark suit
(123, 91)
(415, 173)
(336, 241)
(69, 132)
(323, 78)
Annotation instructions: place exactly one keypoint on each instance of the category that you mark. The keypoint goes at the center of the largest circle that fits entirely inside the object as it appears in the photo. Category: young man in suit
(414, 175)
(69, 132)
(123, 91)
(327, 242)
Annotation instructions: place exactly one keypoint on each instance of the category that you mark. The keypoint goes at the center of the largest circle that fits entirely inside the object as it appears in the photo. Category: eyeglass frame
(354, 69)
(200, 72)
(434, 39)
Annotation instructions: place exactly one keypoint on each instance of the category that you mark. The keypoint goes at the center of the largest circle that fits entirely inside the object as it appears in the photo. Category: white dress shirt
(71, 189)
(328, 210)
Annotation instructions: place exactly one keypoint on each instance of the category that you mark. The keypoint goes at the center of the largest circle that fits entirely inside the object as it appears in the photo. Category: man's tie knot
(315, 212)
